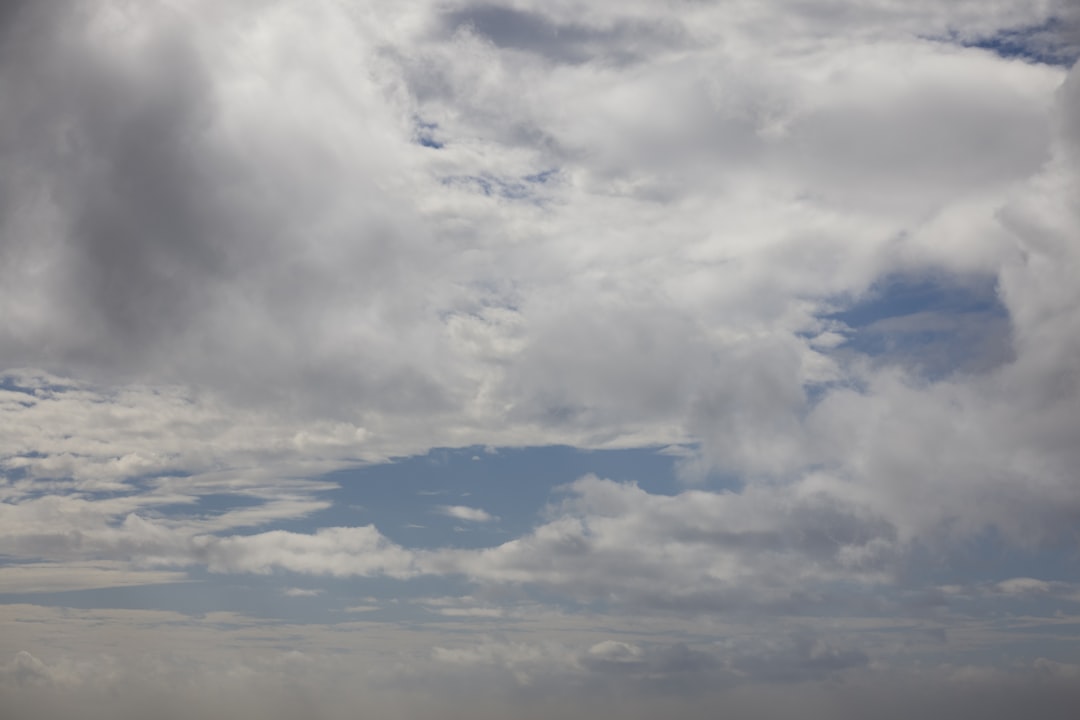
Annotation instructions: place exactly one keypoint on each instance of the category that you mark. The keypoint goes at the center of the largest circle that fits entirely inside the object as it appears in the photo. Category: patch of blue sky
(425, 135)
(1049, 43)
(10, 382)
(252, 596)
(488, 186)
(14, 472)
(935, 324)
(990, 558)
(407, 500)
(1066, 632)
(404, 500)
(815, 392)
(522, 188)
(209, 505)
(542, 177)
(272, 596)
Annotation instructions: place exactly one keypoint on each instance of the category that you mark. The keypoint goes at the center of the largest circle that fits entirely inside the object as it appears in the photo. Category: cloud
(191, 241)
(59, 577)
(697, 551)
(329, 551)
(1022, 585)
(615, 651)
(462, 512)
(244, 245)
(652, 331)
(208, 664)
(301, 592)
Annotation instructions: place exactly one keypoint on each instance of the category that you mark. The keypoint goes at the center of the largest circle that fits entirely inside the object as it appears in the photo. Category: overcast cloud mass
(539, 359)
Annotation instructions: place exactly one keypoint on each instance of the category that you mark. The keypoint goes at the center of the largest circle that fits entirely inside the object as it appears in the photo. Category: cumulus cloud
(329, 551)
(697, 551)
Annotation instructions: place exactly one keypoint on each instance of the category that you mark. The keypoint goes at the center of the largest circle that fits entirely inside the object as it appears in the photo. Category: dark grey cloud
(143, 198)
(155, 238)
(111, 155)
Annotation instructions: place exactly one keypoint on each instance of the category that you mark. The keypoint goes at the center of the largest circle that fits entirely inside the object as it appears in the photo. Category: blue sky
(539, 359)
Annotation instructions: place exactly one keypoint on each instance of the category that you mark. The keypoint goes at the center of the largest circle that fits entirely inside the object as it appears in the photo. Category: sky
(440, 359)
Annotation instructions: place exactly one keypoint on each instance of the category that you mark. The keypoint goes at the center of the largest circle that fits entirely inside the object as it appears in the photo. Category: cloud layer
(823, 253)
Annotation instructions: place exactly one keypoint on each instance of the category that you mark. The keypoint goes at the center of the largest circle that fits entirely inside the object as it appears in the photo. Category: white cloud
(337, 552)
(697, 551)
(301, 592)
(474, 612)
(1016, 586)
(463, 512)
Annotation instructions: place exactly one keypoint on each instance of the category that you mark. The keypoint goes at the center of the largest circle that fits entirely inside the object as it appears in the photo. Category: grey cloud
(1069, 112)
(663, 668)
(119, 152)
(277, 685)
(167, 242)
(799, 658)
(26, 670)
(657, 668)
(647, 339)
(917, 134)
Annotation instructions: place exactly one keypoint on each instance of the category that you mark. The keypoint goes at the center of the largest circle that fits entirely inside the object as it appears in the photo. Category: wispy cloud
(301, 592)
(463, 512)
